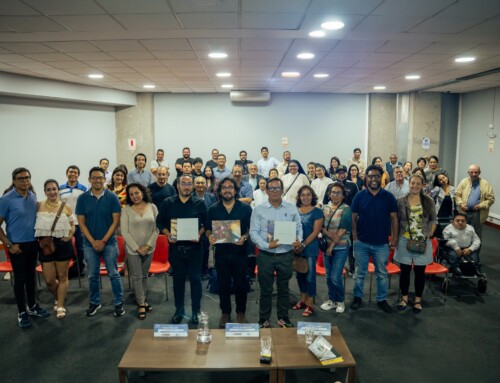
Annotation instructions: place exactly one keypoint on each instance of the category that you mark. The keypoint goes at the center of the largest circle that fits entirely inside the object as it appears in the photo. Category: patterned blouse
(415, 224)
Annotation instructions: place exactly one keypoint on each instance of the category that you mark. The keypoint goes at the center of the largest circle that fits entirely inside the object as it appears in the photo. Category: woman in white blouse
(55, 266)
(320, 183)
(138, 227)
(293, 180)
(259, 195)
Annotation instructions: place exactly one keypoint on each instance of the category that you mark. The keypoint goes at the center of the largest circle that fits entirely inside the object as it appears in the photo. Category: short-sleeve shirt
(98, 212)
(308, 219)
(19, 214)
(340, 218)
(374, 216)
(160, 193)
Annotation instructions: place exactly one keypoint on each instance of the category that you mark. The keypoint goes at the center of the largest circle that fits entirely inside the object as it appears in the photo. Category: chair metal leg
(370, 293)
(166, 285)
(79, 277)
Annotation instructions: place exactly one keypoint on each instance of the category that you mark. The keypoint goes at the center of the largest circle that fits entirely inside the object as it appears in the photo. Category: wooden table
(290, 352)
(145, 353)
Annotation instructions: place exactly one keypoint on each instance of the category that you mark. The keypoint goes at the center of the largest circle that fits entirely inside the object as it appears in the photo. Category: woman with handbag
(54, 228)
(417, 222)
(337, 231)
(312, 220)
(138, 227)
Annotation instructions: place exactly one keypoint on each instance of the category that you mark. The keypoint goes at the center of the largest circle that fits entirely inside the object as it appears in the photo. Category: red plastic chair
(435, 268)
(121, 260)
(160, 263)
(6, 266)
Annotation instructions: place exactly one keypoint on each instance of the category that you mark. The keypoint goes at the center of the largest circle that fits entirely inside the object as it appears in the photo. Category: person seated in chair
(461, 241)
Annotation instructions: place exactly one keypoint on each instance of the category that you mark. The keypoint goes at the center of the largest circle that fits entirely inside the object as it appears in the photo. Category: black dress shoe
(194, 319)
(177, 318)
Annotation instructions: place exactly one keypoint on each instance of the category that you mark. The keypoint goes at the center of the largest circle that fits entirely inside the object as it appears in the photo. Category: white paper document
(187, 229)
(285, 232)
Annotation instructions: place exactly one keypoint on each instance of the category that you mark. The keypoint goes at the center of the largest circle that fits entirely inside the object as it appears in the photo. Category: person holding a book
(227, 228)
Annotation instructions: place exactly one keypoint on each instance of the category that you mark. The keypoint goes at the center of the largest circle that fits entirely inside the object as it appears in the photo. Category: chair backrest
(121, 248)
(435, 246)
(161, 250)
(321, 260)
(391, 255)
(6, 251)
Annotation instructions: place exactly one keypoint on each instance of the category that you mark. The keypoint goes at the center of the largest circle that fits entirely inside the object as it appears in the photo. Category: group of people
(356, 214)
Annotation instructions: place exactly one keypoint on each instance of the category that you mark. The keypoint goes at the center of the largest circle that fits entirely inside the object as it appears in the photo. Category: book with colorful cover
(228, 231)
(325, 352)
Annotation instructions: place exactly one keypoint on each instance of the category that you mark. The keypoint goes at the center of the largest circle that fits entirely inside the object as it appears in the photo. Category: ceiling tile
(471, 8)
(310, 45)
(449, 48)
(196, 6)
(91, 56)
(69, 64)
(93, 23)
(182, 63)
(343, 7)
(435, 25)
(411, 8)
(31, 65)
(208, 20)
(139, 22)
(262, 44)
(131, 6)
(489, 27)
(26, 47)
(66, 7)
(72, 46)
(358, 46)
(143, 63)
(131, 55)
(30, 24)
(404, 46)
(167, 44)
(119, 45)
(387, 24)
(105, 64)
(271, 20)
(15, 7)
(275, 6)
(48, 57)
(215, 44)
(13, 58)
(173, 55)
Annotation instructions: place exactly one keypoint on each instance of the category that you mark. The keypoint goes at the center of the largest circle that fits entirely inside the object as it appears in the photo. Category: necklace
(51, 205)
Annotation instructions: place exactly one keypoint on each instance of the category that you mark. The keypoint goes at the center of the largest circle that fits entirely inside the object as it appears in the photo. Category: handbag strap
(331, 217)
(295, 179)
(57, 216)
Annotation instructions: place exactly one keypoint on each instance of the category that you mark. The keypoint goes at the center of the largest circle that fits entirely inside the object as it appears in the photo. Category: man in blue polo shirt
(98, 212)
(18, 211)
(374, 218)
(69, 193)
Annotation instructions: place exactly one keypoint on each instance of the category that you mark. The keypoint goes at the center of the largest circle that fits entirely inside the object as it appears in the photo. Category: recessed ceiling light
(379, 87)
(321, 75)
(333, 25)
(412, 77)
(305, 56)
(95, 75)
(217, 55)
(227, 86)
(223, 74)
(149, 86)
(290, 74)
(317, 34)
(465, 59)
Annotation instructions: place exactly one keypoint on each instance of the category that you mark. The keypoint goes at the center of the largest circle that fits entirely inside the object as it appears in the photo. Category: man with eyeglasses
(18, 210)
(374, 218)
(252, 177)
(184, 255)
(98, 211)
(273, 256)
(245, 193)
(400, 187)
(474, 196)
(351, 187)
(221, 171)
(230, 257)
(212, 163)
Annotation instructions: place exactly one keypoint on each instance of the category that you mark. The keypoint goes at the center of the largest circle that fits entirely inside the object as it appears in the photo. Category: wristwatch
(8, 245)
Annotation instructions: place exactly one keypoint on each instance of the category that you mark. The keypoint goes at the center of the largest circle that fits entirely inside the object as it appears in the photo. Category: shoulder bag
(47, 244)
(323, 243)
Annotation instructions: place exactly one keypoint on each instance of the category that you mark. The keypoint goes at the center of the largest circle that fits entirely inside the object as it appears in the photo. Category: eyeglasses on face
(278, 189)
(374, 176)
(186, 184)
(26, 178)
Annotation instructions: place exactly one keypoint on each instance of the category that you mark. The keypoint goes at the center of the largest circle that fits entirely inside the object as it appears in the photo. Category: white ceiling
(166, 43)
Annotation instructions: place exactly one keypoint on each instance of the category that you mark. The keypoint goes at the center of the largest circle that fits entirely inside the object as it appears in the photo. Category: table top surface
(290, 349)
(144, 352)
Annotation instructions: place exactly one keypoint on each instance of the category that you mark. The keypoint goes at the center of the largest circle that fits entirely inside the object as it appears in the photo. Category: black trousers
(404, 279)
(232, 267)
(24, 265)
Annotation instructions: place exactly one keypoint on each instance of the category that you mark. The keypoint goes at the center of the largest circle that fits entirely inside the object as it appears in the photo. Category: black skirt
(64, 251)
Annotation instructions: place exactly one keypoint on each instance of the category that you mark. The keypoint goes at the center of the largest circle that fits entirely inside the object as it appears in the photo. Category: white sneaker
(340, 307)
(328, 305)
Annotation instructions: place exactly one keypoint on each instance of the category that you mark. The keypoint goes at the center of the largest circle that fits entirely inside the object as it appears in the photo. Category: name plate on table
(170, 330)
(320, 328)
(242, 330)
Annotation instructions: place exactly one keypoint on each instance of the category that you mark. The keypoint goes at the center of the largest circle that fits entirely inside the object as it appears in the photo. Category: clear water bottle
(204, 333)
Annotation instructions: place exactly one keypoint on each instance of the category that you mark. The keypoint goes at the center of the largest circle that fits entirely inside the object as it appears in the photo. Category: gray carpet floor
(454, 342)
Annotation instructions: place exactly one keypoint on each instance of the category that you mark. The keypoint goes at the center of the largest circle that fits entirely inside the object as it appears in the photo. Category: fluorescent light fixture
(465, 59)
(149, 86)
(305, 56)
(333, 25)
(413, 77)
(217, 55)
(95, 75)
(321, 75)
(223, 74)
(227, 86)
(317, 34)
(290, 74)
(379, 87)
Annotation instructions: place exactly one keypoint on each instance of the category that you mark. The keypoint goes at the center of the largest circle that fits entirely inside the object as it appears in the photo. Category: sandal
(142, 312)
(299, 305)
(55, 306)
(149, 308)
(61, 313)
(403, 304)
(417, 310)
(308, 311)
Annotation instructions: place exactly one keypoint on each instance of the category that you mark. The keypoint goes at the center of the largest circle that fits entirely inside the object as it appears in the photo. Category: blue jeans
(334, 265)
(93, 259)
(307, 281)
(380, 255)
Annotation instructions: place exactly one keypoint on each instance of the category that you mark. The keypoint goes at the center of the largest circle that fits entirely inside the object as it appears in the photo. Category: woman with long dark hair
(118, 184)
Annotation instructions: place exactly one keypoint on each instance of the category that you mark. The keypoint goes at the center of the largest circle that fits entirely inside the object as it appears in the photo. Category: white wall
(318, 126)
(478, 111)
(46, 137)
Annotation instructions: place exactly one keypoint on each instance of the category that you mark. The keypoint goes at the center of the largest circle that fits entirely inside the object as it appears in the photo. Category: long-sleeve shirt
(262, 224)
(466, 238)
(139, 230)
